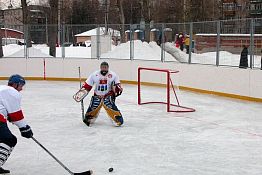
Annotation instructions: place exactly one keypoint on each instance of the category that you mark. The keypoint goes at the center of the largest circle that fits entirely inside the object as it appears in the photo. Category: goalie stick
(89, 172)
(85, 94)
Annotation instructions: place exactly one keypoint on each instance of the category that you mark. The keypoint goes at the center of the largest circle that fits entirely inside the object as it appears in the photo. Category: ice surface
(223, 137)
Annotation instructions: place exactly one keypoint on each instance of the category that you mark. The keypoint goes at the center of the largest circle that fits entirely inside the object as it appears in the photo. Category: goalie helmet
(104, 64)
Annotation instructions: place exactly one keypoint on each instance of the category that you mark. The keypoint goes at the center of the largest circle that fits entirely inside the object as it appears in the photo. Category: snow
(227, 34)
(168, 29)
(40, 51)
(176, 52)
(216, 139)
(142, 51)
(11, 49)
(93, 32)
(154, 30)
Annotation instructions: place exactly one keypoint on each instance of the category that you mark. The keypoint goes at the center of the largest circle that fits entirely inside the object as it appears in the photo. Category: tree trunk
(26, 22)
(122, 19)
(53, 28)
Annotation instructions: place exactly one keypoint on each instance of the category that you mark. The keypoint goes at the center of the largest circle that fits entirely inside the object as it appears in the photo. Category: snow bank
(175, 52)
(142, 50)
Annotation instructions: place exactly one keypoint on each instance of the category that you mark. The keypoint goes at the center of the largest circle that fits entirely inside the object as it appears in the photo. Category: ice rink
(223, 136)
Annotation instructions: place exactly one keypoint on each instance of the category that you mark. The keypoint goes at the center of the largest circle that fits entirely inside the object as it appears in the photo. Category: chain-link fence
(236, 43)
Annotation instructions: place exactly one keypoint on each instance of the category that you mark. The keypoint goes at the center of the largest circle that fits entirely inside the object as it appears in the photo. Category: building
(233, 14)
(86, 36)
(232, 43)
(13, 18)
(255, 11)
(11, 33)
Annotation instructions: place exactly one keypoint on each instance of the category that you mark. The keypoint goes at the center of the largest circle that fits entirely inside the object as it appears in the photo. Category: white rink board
(229, 80)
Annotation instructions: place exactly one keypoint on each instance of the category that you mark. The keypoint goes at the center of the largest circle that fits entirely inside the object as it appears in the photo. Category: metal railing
(218, 43)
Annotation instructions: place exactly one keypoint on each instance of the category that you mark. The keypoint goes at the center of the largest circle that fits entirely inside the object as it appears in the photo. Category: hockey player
(107, 88)
(10, 110)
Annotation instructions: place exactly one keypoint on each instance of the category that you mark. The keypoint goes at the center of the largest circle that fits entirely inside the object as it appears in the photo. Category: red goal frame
(168, 85)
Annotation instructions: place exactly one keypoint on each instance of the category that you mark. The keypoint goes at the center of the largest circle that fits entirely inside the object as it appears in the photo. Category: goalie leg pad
(113, 111)
(93, 110)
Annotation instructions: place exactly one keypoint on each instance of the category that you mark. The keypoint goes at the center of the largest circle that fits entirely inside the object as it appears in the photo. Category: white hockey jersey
(103, 83)
(10, 100)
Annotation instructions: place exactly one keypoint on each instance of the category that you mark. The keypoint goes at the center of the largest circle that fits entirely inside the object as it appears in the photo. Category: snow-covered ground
(216, 139)
(142, 51)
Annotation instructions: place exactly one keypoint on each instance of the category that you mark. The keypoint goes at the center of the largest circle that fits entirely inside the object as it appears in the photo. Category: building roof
(8, 29)
(93, 32)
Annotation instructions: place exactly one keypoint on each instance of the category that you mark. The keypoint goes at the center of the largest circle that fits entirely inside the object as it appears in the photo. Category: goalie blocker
(107, 88)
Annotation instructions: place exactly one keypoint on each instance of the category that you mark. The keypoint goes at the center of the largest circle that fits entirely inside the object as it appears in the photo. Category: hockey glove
(26, 132)
(118, 90)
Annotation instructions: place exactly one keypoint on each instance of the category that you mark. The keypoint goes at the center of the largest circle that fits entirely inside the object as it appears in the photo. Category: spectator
(243, 58)
(180, 41)
(187, 42)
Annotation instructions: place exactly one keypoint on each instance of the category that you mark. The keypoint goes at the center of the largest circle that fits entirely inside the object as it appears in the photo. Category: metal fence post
(251, 44)
(218, 42)
(25, 41)
(131, 42)
(163, 43)
(63, 41)
(98, 43)
(190, 44)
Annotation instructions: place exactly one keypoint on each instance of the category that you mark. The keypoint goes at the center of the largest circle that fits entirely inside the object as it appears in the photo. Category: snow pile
(175, 52)
(42, 51)
(70, 52)
(142, 50)
(32, 52)
(10, 49)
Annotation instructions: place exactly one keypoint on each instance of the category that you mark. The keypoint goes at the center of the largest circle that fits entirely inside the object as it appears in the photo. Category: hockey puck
(111, 170)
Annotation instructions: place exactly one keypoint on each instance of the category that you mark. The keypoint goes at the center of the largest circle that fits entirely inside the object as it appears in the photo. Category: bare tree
(26, 22)
(53, 28)
(122, 19)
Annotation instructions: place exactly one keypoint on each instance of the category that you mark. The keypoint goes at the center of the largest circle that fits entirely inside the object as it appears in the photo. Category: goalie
(106, 90)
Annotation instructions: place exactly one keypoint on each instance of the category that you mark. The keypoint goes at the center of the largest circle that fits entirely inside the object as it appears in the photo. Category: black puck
(111, 169)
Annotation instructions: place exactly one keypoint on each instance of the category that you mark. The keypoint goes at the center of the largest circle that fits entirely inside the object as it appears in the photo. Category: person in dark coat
(244, 58)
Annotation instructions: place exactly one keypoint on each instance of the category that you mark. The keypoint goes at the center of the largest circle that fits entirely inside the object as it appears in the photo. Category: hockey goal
(169, 89)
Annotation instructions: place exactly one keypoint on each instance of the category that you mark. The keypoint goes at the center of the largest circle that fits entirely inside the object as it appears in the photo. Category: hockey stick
(82, 101)
(89, 172)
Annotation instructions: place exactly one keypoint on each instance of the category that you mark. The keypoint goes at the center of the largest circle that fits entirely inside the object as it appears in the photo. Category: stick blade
(89, 172)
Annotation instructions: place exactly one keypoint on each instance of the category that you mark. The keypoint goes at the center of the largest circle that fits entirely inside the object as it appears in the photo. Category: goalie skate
(80, 95)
